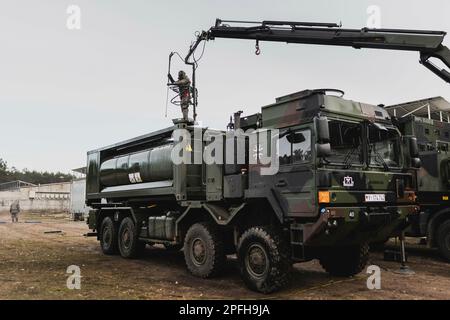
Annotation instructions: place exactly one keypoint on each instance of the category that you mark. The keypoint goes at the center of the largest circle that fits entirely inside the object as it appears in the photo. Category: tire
(204, 250)
(378, 246)
(129, 245)
(264, 259)
(108, 236)
(345, 261)
(173, 247)
(443, 240)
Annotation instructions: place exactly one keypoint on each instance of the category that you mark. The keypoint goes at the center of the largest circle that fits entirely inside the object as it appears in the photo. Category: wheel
(264, 259)
(204, 250)
(129, 245)
(443, 240)
(108, 236)
(173, 247)
(345, 261)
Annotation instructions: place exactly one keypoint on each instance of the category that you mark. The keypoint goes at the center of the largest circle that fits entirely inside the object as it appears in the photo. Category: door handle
(281, 183)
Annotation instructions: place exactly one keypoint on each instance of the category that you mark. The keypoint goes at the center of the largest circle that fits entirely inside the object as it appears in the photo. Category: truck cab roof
(303, 106)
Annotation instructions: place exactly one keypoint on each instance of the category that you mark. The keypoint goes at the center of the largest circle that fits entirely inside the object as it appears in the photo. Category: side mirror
(413, 147)
(400, 188)
(322, 129)
(445, 169)
(324, 179)
(448, 174)
(296, 137)
(323, 150)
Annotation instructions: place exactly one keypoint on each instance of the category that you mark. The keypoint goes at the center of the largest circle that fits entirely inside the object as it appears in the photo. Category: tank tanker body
(145, 166)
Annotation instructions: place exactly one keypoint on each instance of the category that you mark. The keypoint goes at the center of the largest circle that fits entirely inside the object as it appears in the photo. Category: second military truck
(341, 184)
(429, 121)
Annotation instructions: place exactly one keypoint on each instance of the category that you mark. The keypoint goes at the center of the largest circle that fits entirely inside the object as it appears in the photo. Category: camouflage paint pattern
(292, 193)
(296, 196)
(433, 178)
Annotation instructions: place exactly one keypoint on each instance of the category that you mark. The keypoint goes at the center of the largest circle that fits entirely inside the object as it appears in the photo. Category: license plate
(375, 197)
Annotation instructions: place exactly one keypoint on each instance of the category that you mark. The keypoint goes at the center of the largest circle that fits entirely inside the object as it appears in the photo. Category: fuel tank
(145, 166)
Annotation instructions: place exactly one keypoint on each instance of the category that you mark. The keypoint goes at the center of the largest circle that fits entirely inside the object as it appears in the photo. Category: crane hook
(258, 50)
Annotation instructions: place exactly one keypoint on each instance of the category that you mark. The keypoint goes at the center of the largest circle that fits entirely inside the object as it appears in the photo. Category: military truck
(429, 121)
(341, 184)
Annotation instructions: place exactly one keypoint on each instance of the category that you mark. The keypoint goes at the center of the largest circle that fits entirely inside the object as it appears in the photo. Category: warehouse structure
(36, 198)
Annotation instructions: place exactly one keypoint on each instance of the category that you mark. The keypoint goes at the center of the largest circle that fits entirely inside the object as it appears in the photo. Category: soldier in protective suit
(14, 209)
(184, 86)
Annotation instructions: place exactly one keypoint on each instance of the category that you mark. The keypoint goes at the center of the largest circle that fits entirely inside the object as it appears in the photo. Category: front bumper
(353, 225)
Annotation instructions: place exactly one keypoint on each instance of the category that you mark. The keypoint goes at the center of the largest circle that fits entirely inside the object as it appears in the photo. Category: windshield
(346, 146)
(383, 144)
(384, 149)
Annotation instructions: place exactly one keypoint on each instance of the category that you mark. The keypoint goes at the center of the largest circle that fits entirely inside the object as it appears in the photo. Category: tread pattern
(278, 252)
(113, 248)
(136, 246)
(442, 234)
(345, 261)
(215, 248)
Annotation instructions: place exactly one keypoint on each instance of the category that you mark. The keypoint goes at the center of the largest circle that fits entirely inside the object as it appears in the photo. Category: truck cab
(343, 184)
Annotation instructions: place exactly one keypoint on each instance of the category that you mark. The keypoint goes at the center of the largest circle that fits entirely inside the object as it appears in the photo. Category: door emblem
(348, 182)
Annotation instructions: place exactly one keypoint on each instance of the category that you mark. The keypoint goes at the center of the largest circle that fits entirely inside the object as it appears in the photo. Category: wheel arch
(238, 217)
(433, 226)
(256, 212)
(190, 216)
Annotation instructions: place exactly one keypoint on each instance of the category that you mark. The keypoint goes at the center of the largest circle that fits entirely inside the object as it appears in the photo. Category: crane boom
(427, 43)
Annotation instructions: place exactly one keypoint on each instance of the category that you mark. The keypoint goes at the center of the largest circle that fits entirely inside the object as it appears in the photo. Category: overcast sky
(64, 92)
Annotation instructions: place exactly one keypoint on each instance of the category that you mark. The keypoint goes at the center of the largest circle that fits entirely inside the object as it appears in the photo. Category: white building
(49, 197)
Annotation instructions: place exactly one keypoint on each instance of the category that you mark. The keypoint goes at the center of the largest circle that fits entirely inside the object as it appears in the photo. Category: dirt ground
(33, 265)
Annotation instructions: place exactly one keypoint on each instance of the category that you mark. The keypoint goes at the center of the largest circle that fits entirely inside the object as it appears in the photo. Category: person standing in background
(14, 209)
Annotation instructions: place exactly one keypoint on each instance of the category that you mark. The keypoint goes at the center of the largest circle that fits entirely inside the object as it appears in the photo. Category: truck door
(294, 185)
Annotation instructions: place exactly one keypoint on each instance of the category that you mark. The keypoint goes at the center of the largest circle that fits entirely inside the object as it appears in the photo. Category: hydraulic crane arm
(427, 43)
